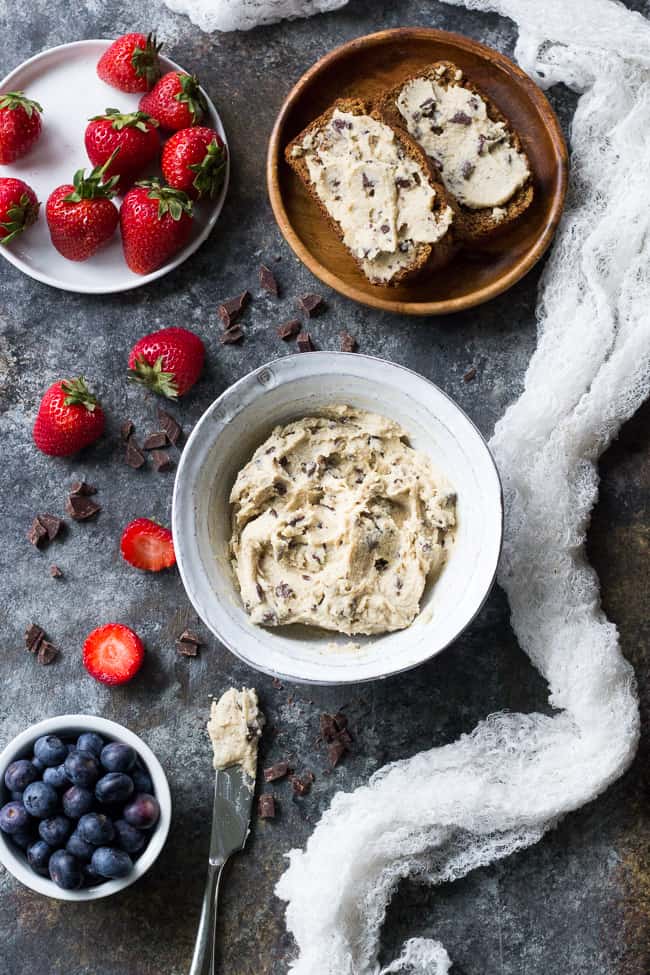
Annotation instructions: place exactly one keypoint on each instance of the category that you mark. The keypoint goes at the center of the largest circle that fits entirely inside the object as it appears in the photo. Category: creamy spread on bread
(338, 523)
(477, 159)
(381, 198)
(235, 727)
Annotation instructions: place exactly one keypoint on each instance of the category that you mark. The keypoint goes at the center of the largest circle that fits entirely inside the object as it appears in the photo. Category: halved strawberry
(147, 545)
(113, 654)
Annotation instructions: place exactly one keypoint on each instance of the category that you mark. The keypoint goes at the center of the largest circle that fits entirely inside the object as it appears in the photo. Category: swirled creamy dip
(338, 523)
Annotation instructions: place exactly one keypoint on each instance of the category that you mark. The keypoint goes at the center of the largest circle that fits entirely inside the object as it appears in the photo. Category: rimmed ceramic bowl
(224, 440)
(71, 726)
(366, 67)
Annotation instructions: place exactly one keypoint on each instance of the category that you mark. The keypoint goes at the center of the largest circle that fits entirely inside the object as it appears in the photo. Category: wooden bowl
(364, 68)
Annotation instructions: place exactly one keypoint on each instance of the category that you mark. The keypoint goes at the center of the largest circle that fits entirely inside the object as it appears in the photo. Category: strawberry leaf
(94, 186)
(18, 99)
(192, 96)
(154, 378)
(172, 202)
(20, 216)
(78, 394)
(211, 171)
(145, 60)
(124, 120)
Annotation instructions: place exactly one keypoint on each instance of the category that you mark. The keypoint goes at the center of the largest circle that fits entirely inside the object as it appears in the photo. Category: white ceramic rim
(74, 724)
(188, 250)
(239, 397)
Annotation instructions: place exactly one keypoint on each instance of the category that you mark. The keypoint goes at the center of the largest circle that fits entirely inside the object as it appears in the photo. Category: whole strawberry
(68, 419)
(18, 208)
(176, 101)
(194, 160)
(81, 217)
(20, 125)
(134, 134)
(169, 362)
(156, 221)
(131, 63)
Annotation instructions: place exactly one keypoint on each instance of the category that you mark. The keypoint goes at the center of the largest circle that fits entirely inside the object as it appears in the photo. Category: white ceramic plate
(64, 81)
(225, 438)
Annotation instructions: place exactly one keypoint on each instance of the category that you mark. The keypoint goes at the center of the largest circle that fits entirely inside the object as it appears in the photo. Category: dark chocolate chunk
(37, 534)
(467, 169)
(328, 728)
(277, 683)
(229, 311)
(155, 440)
(188, 643)
(52, 525)
(283, 591)
(384, 228)
(267, 280)
(338, 124)
(462, 118)
(81, 508)
(270, 619)
(278, 771)
(280, 488)
(380, 564)
(311, 304)
(83, 488)
(348, 342)
(470, 375)
(161, 461)
(335, 752)
(266, 806)
(34, 636)
(300, 786)
(133, 455)
(47, 653)
(56, 572)
(127, 430)
(231, 336)
(170, 426)
(304, 342)
(289, 329)
(402, 182)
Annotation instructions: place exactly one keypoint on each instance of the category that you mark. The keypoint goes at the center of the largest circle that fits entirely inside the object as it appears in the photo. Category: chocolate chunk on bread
(476, 152)
(378, 191)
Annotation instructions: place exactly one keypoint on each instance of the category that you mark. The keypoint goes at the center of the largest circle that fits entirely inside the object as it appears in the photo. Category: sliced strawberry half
(147, 545)
(113, 654)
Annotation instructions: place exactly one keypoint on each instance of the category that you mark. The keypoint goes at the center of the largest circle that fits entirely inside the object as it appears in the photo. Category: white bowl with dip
(225, 439)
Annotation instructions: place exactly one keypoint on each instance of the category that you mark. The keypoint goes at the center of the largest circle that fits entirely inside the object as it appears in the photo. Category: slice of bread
(378, 191)
(472, 145)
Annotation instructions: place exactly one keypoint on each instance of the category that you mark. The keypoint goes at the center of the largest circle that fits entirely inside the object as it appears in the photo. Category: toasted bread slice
(472, 145)
(378, 191)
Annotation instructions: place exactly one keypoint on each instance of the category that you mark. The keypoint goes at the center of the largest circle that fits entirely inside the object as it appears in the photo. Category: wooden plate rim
(446, 306)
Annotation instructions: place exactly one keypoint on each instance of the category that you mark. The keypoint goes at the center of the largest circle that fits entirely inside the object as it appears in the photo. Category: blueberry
(38, 857)
(109, 862)
(90, 741)
(82, 768)
(65, 870)
(14, 818)
(128, 837)
(23, 838)
(90, 876)
(50, 750)
(36, 762)
(55, 830)
(114, 787)
(141, 778)
(96, 828)
(117, 757)
(56, 777)
(72, 747)
(142, 812)
(79, 848)
(20, 774)
(77, 802)
(16, 796)
(40, 800)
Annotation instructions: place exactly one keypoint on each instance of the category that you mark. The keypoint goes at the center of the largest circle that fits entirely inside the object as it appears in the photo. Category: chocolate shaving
(348, 343)
(289, 329)
(311, 304)
(267, 280)
(56, 572)
(83, 488)
(161, 461)
(305, 343)
(47, 653)
(170, 426)
(335, 752)
(133, 455)
(470, 375)
(266, 806)
(232, 336)
(37, 534)
(81, 508)
(155, 440)
(461, 118)
(34, 636)
(127, 430)
(278, 771)
(231, 309)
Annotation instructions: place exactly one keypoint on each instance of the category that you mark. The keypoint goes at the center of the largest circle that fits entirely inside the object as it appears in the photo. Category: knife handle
(203, 961)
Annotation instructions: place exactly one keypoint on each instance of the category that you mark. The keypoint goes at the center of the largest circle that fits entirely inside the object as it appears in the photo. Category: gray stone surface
(576, 903)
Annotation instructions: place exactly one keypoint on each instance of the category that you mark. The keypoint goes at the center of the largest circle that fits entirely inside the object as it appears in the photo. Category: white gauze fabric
(228, 15)
(444, 812)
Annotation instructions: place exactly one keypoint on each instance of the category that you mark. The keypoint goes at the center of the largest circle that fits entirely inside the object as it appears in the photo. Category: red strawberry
(135, 136)
(147, 545)
(18, 208)
(131, 63)
(82, 217)
(68, 418)
(20, 125)
(113, 653)
(169, 361)
(156, 221)
(194, 160)
(176, 101)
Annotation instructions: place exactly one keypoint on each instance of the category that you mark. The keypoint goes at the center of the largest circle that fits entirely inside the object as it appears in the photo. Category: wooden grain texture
(366, 67)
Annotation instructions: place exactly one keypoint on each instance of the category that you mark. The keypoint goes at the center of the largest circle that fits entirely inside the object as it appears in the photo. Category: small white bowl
(224, 440)
(71, 726)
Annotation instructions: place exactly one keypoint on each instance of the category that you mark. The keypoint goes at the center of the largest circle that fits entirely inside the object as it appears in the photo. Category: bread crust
(471, 225)
(428, 257)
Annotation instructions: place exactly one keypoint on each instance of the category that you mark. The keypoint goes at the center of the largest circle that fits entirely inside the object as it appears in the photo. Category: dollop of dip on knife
(235, 728)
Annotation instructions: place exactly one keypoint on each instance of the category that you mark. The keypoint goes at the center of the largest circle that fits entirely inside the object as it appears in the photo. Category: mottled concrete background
(579, 902)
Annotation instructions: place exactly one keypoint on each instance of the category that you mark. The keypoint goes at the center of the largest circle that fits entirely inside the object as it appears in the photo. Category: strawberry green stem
(124, 120)
(18, 99)
(172, 202)
(192, 96)
(145, 60)
(20, 216)
(93, 186)
(153, 377)
(211, 171)
(78, 394)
